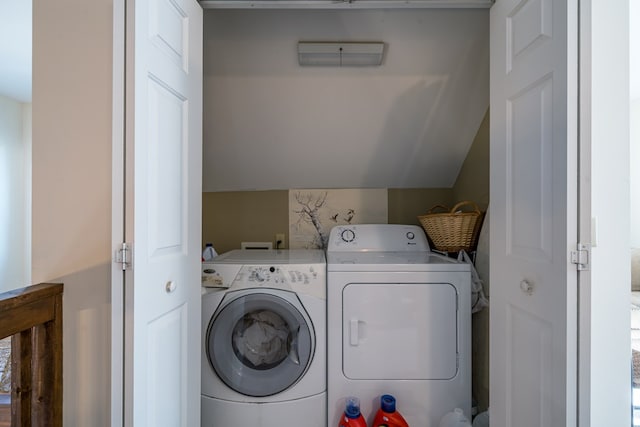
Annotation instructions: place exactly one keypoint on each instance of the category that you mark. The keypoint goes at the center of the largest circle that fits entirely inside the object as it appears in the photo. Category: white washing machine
(264, 339)
(399, 323)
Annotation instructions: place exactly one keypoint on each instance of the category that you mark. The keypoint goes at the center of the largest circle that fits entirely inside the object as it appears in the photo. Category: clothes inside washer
(262, 338)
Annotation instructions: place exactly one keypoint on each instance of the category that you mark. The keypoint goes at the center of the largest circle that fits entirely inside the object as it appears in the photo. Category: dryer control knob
(410, 235)
(348, 235)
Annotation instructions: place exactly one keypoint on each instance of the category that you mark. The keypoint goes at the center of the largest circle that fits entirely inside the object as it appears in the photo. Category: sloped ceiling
(272, 124)
(15, 49)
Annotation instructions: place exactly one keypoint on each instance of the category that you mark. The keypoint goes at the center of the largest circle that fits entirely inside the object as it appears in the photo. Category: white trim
(584, 215)
(604, 386)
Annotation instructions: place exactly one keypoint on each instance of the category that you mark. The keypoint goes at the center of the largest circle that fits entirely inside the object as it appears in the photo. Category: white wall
(605, 358)
(272, 124)
(635, 168)
(15, 51)
(15, 194)
(72, 81)
(634, 73)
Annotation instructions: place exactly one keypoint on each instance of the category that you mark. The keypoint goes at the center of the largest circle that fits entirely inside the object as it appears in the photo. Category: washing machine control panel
(268, 275)
(304, 278)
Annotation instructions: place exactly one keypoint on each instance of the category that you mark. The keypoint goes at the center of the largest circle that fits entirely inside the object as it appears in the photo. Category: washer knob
(410, 235)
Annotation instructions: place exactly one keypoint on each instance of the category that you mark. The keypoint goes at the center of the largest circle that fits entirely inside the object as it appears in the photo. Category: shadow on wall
(406, 125)
(480, 324)
(86, 349)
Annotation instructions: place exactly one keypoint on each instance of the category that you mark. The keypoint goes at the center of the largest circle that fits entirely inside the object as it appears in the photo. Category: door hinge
(123, 256)
(580, 256)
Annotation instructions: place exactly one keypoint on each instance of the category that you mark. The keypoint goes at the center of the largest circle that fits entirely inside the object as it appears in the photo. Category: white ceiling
(15, 49)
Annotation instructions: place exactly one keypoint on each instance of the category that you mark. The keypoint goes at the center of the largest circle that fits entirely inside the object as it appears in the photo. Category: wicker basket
(453, 230)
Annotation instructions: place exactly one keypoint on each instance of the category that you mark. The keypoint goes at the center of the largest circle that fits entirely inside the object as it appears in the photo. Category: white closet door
(533, 213)
(163, 212)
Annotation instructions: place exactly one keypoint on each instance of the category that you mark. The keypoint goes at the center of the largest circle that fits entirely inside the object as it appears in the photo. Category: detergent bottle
(387, 414)
(455, 418)
(209, 253)
(482, 419)
(352, 416)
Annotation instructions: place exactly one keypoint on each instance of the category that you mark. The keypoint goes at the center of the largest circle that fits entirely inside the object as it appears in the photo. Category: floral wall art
(313, 213)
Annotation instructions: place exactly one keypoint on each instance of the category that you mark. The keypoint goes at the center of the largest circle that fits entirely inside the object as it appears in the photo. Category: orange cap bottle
(387, 414)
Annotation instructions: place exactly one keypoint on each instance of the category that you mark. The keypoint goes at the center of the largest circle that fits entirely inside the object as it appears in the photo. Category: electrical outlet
(280, 238)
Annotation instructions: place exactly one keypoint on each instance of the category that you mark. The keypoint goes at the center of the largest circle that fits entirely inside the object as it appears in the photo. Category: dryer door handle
(354, 338)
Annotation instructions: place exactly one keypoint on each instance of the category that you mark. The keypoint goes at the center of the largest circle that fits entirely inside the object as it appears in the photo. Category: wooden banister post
(55, 332)
(32, 316)
(21, 379)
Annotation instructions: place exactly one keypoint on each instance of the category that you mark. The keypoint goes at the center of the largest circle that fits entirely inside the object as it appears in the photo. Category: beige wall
(72, 81)
(406, 204)
(229, 218)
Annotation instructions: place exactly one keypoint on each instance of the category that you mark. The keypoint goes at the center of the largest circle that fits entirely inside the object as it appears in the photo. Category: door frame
(593, 383)
(118, 214)
(604, 386)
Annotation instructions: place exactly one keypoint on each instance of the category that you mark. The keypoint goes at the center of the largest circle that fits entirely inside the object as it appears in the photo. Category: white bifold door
(533, 213)
(163, 187)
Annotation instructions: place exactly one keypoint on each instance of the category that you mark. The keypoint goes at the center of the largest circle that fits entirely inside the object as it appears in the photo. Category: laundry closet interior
(417, 125)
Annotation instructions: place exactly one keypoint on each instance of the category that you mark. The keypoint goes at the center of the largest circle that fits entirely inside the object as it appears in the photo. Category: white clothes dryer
(398, 322)
(264, 340)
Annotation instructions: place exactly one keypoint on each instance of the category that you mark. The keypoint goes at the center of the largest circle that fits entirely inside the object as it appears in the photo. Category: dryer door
(260, 343)
(400, 331)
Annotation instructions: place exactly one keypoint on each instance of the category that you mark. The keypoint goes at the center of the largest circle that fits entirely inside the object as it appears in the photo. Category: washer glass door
(260, 344)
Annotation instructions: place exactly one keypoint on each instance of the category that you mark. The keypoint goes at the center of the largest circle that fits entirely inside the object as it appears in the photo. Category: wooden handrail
(32, 317)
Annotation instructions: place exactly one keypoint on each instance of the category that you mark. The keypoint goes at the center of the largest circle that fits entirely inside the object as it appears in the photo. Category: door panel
(528, 26)
(529, 193)
(533, 213)
(166, 170)
(168, 344)
(163, 212)
(528, 338)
